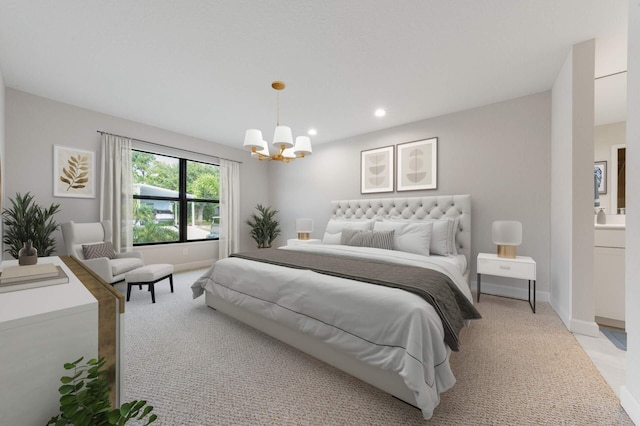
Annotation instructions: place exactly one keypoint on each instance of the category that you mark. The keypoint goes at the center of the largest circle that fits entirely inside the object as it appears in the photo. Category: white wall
(605, 136)
(561, 163)
(2, 152)
(583, 310)
(630, 393)
(500, 154)
(572, 233)
(35, 124)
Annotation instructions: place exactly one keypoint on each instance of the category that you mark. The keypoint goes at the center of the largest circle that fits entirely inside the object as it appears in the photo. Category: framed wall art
(74, 172)
(600, 176)
(417, 165)
(376, 170)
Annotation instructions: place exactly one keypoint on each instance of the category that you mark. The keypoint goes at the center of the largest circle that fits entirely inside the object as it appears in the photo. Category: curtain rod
(167, 146)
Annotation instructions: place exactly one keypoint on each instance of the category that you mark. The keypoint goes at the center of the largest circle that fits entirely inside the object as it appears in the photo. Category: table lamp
(507, 235)
(304, 228)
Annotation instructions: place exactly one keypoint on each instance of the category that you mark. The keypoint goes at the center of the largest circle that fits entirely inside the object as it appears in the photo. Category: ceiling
(204, 68)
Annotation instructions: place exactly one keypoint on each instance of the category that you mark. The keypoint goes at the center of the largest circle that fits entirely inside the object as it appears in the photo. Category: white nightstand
(297, 242)
(521, 267)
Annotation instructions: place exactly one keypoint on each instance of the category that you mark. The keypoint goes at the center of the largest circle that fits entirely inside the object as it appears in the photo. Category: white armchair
(111, 270)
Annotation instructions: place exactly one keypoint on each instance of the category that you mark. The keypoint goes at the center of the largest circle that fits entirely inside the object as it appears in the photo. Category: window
(175, 199)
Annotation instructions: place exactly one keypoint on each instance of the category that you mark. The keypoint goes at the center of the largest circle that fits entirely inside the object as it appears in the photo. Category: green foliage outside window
(202, 183)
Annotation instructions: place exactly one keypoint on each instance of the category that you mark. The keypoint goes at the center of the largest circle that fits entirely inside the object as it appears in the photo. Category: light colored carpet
(197, 366)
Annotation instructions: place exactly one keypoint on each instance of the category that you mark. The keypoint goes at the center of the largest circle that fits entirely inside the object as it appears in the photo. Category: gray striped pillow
(375, 239)
(94, 251)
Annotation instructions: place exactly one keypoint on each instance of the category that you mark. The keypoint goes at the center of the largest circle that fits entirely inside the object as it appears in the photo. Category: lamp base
(304, 235)
(507, 251)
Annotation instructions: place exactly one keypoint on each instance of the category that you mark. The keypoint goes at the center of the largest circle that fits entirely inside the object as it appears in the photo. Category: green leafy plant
(264, 227)
(25, 220)
(85, 399)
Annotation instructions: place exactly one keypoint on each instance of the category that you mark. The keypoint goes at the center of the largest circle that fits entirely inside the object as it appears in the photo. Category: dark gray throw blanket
(435, 287)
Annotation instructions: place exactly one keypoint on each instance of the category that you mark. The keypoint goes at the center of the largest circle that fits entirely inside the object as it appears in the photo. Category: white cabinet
(609, 276)
(41, 329)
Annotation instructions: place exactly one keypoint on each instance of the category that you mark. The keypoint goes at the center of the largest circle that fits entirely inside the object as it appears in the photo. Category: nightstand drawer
(507, 268)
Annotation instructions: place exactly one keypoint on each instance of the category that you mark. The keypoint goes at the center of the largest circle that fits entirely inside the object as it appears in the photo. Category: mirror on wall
(610, 138)
(618, 178)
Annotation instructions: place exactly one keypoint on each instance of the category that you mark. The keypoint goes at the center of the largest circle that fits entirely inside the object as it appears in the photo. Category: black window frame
(182, 201)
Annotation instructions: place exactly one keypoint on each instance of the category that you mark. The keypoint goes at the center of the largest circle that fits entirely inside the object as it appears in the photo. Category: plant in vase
(264, 227)
(26, 220)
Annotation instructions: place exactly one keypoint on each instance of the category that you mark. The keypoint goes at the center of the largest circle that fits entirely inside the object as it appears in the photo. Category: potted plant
(25, 220)
(264, 227)
(85, 399)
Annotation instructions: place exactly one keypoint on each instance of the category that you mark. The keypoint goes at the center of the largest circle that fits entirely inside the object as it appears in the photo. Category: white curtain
(116, 190)
(229, 208)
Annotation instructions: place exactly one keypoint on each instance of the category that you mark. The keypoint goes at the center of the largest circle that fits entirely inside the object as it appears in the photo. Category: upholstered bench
(149, 275)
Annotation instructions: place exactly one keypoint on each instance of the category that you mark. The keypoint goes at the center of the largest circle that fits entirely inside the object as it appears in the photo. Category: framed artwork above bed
(417, 165)
(376, 170)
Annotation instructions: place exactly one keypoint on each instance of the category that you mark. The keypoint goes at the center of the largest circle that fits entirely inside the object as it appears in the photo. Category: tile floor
(610, 361)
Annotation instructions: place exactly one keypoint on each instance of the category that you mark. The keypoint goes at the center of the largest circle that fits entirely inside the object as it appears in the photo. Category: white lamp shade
(304, 225)
(506, 232)
(253, 139)
(288, 153)
(264, 150)
(283, 136)
(303, 146)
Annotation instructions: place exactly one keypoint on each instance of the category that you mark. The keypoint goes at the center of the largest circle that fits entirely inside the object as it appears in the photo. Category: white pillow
(447, 226)
(443, 236)
(410, 237)
(333, 233)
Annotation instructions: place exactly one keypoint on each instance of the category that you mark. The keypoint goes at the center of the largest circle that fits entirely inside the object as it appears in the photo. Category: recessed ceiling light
(380, 112)
(312, 132)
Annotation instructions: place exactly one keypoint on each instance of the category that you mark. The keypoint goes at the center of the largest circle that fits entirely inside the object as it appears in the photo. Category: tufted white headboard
(413, 208)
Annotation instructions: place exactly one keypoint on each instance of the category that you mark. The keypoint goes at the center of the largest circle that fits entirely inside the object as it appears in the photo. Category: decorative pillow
(93, 251)
(410, 237)
(333, 233)
(375, 239)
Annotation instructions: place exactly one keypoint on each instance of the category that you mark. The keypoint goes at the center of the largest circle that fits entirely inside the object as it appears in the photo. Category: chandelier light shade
(285, 149)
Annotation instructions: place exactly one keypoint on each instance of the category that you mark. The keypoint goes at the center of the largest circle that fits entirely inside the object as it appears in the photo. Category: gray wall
(35, 124)
(500, 154)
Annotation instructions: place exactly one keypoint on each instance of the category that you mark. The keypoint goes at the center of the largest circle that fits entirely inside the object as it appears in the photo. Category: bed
(386, 335)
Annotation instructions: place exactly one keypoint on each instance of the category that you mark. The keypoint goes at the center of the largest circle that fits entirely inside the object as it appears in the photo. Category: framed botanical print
(417, 165)
(376, 170)
(74, 172)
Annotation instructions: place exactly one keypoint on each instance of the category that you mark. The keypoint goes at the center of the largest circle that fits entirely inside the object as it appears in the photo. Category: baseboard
(564, 316)
(609, 322)
(588, 328)
(181, 267)
(508, 291)
(630, 404)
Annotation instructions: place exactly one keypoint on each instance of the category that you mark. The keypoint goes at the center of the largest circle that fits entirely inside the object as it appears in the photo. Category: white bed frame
(416, 208)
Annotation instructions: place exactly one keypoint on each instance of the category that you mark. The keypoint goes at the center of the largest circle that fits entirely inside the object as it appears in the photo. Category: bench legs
(151, 285)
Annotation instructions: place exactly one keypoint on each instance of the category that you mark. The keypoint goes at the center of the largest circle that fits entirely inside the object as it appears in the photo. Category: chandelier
(286, 150)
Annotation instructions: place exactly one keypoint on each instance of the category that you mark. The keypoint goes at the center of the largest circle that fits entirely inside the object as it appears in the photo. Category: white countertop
(612, 226)
(31, 304)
